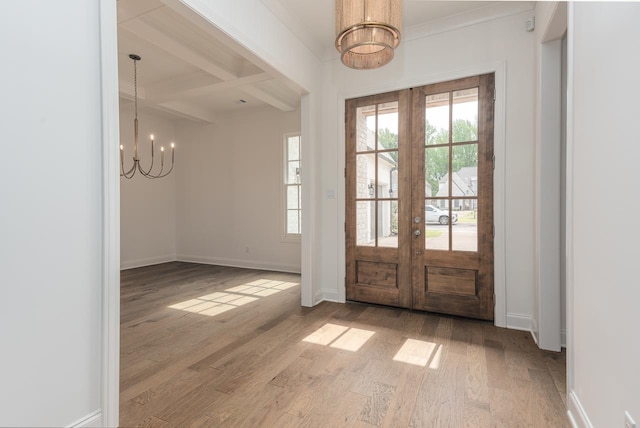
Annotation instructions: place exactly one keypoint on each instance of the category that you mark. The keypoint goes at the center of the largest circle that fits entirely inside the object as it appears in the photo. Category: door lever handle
(417, 232)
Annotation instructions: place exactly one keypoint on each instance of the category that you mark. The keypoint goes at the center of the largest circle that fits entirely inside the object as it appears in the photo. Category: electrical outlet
(628, 421)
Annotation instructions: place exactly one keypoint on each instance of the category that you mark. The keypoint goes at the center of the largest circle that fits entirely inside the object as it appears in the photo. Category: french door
(419, 198)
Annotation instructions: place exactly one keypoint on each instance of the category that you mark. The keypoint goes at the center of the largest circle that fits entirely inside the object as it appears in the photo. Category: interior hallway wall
(229, 192)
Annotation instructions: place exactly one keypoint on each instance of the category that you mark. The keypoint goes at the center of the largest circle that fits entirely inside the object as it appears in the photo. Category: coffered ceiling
(190, 70)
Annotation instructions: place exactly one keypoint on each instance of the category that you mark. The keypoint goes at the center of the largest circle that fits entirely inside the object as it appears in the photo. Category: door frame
(109, 414)
(499, 182)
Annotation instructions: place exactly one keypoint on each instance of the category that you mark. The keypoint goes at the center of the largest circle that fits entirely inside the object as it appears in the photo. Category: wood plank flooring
(208, 346)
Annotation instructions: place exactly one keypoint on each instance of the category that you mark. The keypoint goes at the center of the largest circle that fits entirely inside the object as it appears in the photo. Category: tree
(437, 158)
(389, 140)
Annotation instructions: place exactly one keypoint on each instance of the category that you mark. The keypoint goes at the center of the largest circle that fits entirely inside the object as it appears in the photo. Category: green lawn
(433, 233)
(468, 217)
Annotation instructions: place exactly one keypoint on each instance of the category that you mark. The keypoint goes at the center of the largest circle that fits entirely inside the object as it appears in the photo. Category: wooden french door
(419, 198)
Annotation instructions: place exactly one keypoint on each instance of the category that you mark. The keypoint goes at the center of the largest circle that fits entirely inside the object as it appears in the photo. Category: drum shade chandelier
(367, 31)
(137, 166)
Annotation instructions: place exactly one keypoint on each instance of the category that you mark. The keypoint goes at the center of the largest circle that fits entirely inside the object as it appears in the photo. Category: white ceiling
(191, 70)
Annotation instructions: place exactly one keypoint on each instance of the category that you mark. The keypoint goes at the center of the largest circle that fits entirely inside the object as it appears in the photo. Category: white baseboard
(130, 264)
(576, 412)
(519, 322)
(326, 295)
(248, 264)
(93, 420)
(535, 331)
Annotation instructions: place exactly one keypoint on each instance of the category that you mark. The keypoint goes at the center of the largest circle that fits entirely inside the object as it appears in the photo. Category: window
(292, 185)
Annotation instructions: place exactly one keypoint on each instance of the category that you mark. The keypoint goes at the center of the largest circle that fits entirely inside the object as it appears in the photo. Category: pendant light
(367, 31)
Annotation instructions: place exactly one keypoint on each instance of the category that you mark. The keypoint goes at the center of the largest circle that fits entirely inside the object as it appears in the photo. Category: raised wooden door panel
(378, 199)
(452, 145)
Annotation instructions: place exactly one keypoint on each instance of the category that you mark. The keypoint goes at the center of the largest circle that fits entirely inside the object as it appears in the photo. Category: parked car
(435, 215)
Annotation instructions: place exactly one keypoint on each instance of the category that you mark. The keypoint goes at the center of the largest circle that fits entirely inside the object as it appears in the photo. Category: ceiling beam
(183, 87)
(178, 109)
(187, 111)
(127, 91)
(147, 32)
(268, 98)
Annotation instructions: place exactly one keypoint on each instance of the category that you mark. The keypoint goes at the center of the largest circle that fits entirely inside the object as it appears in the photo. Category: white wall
(251, 24)
(604, 372)
(501, 44)
(229, 192)
(50, 212)
(147, 207)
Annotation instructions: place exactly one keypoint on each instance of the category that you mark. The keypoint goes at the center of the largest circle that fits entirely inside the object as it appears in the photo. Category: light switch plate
(628, 421)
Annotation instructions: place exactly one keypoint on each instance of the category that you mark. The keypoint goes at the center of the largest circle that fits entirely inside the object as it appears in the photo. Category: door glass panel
(437, 119)
(465, 230)
(366, 223)
(387, 173)
(465, 115)
(436, 171)
(436, 217)
(465, 170)
(366, 126)
(388, 224)
(365, 176)
(388, 126)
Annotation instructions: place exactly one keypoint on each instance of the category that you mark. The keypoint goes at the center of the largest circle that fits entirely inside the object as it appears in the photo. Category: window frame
(287, 236)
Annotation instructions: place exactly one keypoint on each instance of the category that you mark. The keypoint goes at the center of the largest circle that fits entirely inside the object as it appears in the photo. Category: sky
(437, 116)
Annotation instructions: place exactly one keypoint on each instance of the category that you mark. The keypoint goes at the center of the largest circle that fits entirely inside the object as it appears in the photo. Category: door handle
(417, 232)
(417, 220)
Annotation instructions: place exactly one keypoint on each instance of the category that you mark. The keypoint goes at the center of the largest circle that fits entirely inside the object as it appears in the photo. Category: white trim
(499, 182)
(534, 331)
(341, 274)
(563, 338)
(547, 193)
(569, 204)
(248, 264)
(307, 247)
(92, 420)
(326, 296)
(576, 413)
(149, 261)
(489, 13)
(519, 322)
(110, 364)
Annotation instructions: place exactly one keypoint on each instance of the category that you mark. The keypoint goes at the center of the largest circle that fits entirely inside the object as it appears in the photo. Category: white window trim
(285, 236)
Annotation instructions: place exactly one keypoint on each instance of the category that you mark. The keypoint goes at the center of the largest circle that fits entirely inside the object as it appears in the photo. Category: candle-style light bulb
(151, 136)
(173, 146)
(121, 147)
(162, 149)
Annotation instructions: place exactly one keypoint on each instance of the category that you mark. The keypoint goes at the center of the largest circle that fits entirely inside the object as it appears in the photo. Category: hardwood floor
(218, 346)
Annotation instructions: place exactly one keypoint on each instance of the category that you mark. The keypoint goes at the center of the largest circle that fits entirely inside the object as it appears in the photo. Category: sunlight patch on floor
(416, 352)
(340, 337)
(353, 339)
(435, 361)
(222, 301)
